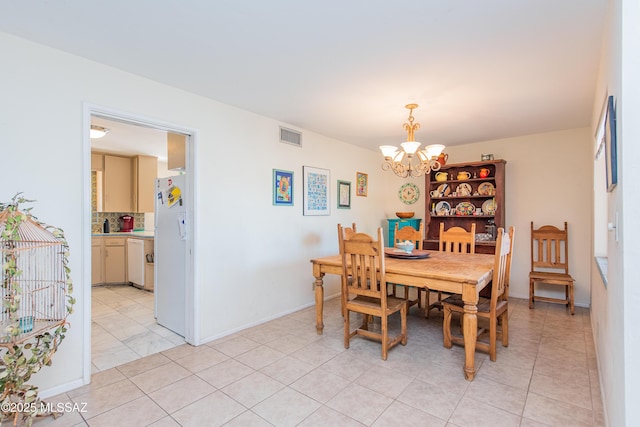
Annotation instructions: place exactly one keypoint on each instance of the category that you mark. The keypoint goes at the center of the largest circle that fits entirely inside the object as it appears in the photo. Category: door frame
(192, 310)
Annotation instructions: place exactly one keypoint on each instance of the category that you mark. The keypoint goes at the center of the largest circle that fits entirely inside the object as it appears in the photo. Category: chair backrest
(549, 248)
(501, 266)
(363, 271)
(408, 233)
(457, 239)
(346, 233)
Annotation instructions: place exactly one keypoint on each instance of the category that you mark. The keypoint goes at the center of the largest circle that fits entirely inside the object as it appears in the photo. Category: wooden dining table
(464, 274)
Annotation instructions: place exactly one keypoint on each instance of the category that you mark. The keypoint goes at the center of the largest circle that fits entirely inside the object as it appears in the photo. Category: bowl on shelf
(405, 214)
(406, 246)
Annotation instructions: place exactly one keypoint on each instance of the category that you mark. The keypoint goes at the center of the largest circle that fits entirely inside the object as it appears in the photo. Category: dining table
(457, 273)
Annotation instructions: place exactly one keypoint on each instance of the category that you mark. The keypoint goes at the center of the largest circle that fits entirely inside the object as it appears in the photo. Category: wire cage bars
(34, 296)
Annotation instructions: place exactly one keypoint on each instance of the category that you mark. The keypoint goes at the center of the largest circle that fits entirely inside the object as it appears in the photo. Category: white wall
(548, 181)
(252, 258)
(615, 313)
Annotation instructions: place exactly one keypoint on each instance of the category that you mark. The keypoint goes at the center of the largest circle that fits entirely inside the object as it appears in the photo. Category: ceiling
(480, 70)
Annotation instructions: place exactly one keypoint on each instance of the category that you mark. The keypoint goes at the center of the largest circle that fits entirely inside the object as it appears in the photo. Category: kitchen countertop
(142, 234)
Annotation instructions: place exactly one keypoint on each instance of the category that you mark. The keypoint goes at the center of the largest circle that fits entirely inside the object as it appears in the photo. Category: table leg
(470, 330)
(319, 303)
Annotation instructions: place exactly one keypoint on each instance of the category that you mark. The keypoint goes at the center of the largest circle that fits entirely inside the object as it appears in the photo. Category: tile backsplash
(99, 217)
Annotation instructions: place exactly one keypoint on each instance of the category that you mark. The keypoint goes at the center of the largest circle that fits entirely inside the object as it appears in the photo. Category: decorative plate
(443, 208)
(415, 254)
(465, 208)
(444, 190)
(489, 207)
(486, 189)
(463, 189)
(409, 193)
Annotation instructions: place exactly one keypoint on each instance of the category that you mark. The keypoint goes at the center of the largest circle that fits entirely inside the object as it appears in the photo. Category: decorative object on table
(344, 194)
(405, 214)
(409, 193)
(414, 254)
(315, 191)
(282, 187)
(401, 161)
(610, 144)
(486, 157)
(441, 176)
(362, 184)
(463, 176)
(36, 293)
(407, 246)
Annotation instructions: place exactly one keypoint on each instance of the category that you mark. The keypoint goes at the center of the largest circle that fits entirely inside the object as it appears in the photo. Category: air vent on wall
(289, 136)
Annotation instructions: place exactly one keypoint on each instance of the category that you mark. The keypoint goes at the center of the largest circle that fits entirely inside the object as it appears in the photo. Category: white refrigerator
(170, 253)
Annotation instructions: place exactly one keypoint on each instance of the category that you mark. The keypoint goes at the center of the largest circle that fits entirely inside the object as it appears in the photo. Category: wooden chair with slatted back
(495, 309)
(455, 239)
(550, 263)
(364, 290)
(400, 235)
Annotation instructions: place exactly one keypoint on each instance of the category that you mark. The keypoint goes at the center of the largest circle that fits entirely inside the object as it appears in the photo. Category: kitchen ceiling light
(401, 161)
(97, 132)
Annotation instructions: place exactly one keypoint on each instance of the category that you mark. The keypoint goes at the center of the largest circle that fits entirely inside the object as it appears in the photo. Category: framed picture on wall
(282, 188)
(610, 144)
(362, 184)
(344, 194)
(316, 191)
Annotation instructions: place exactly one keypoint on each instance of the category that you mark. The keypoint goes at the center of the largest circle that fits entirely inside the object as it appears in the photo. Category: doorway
(129, 313)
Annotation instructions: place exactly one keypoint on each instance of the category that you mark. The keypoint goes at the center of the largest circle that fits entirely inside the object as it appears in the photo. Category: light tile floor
(123, 327)
(282, 373)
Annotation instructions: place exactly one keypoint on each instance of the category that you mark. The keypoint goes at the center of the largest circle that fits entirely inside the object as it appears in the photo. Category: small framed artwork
(344, 194)
(610, 145)
(282, 188)
(362, 184)
(316, 191)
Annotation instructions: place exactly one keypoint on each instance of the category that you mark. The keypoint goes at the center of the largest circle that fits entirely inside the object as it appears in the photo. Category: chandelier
(401, 162)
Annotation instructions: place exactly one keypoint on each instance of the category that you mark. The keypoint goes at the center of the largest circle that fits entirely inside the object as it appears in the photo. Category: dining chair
(550, 263)
(401, 235)
(346, 232)
(364, 291)
(455, 239)
(494, 310)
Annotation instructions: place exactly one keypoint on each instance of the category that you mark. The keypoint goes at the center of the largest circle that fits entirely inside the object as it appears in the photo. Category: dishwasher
(135, 262)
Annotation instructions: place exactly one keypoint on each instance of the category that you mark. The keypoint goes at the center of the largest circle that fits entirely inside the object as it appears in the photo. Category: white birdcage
(35, 299)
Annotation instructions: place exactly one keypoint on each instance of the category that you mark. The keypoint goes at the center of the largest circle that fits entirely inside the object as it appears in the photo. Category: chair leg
(492, 338)
(571, 298)
(427, 298)
(403, 323)
(347, 332)
(446, 327)
(531, 293)
(385, 335)
(504, 318)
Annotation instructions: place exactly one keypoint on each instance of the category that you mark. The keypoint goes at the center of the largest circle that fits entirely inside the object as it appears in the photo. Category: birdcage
(34, 278)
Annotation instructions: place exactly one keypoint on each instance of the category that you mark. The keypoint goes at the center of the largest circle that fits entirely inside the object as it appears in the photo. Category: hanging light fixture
(97, 132)
(401, 162)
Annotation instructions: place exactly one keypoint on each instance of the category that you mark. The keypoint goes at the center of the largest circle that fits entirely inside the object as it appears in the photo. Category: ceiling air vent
(289, 136)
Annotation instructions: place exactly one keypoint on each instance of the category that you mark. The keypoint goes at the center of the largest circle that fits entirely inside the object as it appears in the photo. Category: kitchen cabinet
(402, 222)
(459, 195)
(117, 188)
(97, 258)
(97, 162)
(176, 150)
(145, 172)
(115, 265)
